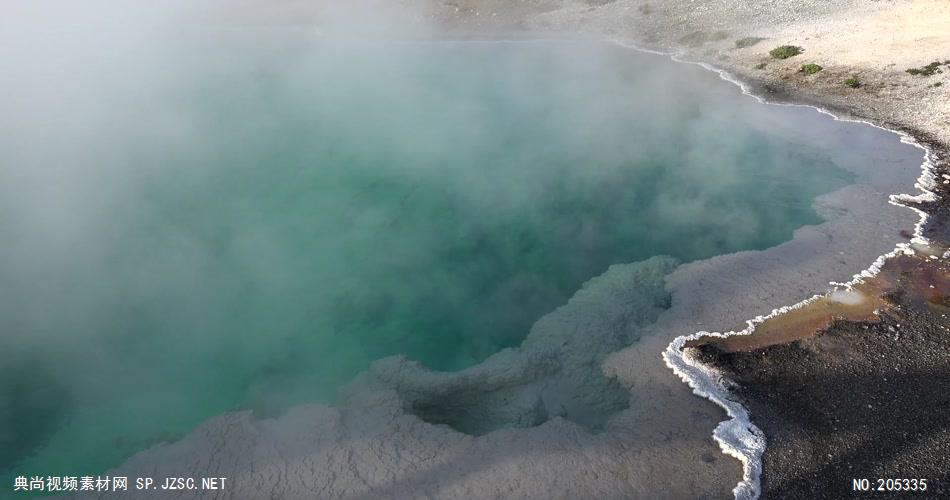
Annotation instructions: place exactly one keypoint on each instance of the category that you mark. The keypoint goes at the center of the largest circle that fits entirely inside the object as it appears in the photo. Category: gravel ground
(860, 400)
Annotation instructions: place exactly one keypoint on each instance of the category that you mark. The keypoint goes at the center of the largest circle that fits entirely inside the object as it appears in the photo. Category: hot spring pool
(254, 228)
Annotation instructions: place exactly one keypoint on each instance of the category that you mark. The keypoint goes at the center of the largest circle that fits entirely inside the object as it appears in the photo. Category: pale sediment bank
(739, 436)
(872, 43)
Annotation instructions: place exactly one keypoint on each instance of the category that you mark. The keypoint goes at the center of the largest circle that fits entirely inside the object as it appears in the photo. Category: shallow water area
(258, 228)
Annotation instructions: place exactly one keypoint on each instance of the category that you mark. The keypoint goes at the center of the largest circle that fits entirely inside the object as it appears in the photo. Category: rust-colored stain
(921, 278)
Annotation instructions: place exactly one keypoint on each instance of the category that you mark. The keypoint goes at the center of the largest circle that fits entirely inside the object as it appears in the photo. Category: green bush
(928, 70)
(747, 41)
(810, 69)
(853, 82)
(785, 51)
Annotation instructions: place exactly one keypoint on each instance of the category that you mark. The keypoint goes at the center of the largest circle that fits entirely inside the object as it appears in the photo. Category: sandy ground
(873, 40)
(875, 43)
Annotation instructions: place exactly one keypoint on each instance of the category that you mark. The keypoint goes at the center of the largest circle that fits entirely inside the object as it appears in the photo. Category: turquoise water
(254, 226)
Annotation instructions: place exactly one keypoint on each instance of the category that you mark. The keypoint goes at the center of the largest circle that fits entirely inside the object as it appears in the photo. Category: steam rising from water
(199, 220)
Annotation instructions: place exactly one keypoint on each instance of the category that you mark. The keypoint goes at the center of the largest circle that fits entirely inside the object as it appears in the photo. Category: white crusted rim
(739, 437)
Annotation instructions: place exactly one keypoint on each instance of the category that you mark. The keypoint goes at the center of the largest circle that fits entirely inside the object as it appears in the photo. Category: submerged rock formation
(539, 421)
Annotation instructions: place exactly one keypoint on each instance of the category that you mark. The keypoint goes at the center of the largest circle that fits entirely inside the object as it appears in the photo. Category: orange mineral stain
(923, 277)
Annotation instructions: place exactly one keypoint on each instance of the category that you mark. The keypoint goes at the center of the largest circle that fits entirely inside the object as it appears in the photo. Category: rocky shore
(856, 400)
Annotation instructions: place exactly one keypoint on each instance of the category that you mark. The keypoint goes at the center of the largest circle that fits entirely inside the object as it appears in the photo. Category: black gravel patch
(860, 401)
